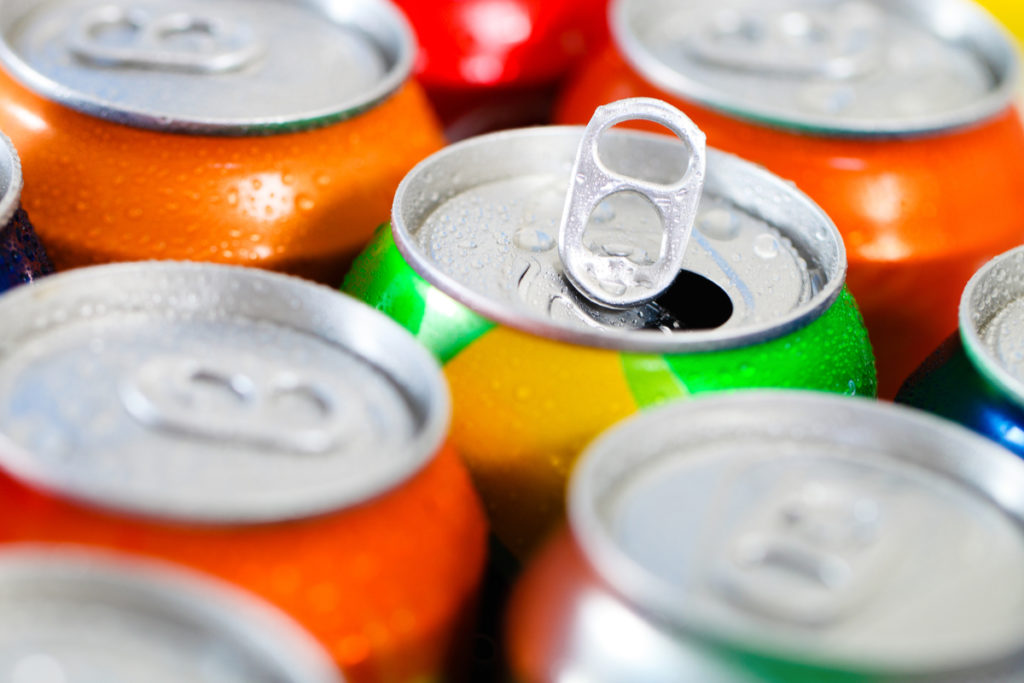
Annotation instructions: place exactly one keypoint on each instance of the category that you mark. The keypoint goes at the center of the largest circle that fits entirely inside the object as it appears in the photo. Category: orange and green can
(471, 265)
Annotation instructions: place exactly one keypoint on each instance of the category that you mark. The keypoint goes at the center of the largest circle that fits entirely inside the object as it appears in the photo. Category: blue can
(22, 256)
(976, 377)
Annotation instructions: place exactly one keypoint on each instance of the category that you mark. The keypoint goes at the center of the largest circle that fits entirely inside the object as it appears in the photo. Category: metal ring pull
(234, 400)
(216, 45)
(841, 41)
(616, 281)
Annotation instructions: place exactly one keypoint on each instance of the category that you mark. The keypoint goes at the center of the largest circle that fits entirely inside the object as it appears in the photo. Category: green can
(472, 264)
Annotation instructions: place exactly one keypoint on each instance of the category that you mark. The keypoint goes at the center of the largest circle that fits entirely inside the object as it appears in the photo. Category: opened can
(895, 116)
(268, 134)
(538, 364)
(976, 377)
(82, 615)
(22, 257)
(781, 537)
(254, 426)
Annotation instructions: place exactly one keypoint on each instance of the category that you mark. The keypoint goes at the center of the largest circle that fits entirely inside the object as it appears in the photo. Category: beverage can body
(255, 427)
(140, 146)
(488, 67)
(899, 194)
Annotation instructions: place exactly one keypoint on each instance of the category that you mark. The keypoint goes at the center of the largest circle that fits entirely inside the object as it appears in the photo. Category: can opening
(692, 302)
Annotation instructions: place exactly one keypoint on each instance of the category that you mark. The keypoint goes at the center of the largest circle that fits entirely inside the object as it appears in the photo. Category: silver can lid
(817, 529)
(167, 64)
(480, 220)
(846, 67)
(992, 322)
(10, 181)
(77, 616)
(211, 393)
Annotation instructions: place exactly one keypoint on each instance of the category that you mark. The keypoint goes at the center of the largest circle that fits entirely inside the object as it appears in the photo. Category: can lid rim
(980, 355)
(253, 622)
(10, 163)
(664, 76)
(351, 325)
(637, 341)
(991, 472)
(137, 117)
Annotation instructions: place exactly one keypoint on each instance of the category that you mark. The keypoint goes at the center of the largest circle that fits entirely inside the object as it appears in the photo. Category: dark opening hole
(692, 302)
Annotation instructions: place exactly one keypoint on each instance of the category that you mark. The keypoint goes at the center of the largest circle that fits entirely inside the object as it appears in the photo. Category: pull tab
(235, 400)
(840, 40)
(612, 280)
(811, 556)
(126, 36)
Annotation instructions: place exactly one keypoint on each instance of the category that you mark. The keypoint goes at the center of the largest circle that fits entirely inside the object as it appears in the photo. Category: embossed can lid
(211, 393)
(80, 616)
(209, 66)
(845, 67)
(480, 220)
(992, 322)
(830, 531)
(10, 180)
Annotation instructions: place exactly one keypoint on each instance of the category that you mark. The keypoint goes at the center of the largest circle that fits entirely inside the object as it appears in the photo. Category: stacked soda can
(613, 418)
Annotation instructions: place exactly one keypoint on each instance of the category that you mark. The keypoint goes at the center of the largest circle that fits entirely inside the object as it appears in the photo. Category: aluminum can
(488, 66)
(201, 131)
(469, 264)
(781, 537)
(976, 377)
(254, 426)
(22, 257)
(894, 115)
(82, 615)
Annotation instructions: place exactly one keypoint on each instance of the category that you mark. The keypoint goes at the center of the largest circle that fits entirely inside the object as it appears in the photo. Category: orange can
(896, 117)
(263, 429)
(192, 130)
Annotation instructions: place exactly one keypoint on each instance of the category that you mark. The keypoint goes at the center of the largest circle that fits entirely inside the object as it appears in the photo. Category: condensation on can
(847, 68)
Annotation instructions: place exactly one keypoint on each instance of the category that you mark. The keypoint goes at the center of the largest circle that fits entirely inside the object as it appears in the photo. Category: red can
(254, 426)
(211, 132)
(776, 537)
(491, 64)
(895, 117)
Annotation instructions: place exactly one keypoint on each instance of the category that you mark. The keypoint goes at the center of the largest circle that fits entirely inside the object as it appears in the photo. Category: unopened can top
(77, 616)
(480, 220)
(992, 322)
(209, 66)
(10, 181)
(829, 531)
(211, 393)
(846, 67)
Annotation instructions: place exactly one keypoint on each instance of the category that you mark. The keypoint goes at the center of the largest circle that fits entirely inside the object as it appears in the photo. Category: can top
(213, 394)
(167, 64)
(480, 221)
(10, 180)
(992, 322)
(837, 67)
(77, 615)
(816, 529)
